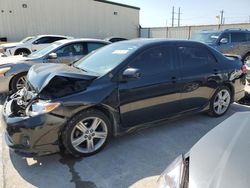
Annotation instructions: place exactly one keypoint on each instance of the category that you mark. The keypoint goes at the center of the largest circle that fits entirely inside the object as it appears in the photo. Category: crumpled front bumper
(32, 136)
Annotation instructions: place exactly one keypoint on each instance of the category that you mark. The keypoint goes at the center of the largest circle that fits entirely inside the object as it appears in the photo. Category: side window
(54, 39)
(47, 40)
(238, 37)
(194, 57)
(43, 40)
(94, 46)
(154, 61)
(248, 37)
(225, 35)
(72, 50)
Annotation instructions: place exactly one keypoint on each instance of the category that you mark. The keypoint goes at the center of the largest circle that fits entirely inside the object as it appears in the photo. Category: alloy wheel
(89, 135)
(21, 82)
(222, 101)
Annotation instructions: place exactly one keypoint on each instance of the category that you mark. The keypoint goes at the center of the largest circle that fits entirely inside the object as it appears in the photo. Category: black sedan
(117, 89)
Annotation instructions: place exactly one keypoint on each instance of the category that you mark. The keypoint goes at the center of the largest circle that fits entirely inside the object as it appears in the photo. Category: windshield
(44, 51)
(26, 39)
(208, 38)
(107, 58)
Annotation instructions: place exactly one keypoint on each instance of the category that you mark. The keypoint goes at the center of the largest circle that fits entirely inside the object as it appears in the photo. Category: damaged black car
(115, 90)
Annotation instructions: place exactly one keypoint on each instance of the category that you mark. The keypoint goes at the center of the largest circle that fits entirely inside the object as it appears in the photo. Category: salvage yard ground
(125, 161)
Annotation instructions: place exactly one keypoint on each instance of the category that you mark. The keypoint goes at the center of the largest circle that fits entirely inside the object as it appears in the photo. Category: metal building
(77, 18)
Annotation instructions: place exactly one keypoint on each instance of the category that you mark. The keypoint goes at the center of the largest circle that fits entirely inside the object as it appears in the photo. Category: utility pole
(179, 16)
(173, 17)
(221, 17)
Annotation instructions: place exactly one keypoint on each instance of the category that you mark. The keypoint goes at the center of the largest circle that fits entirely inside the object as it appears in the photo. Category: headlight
(4, 70)
(172, 177)
(42, 107)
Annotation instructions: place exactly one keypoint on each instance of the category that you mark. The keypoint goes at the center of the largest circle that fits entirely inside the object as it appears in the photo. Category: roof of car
(65, 41)
(223, 30)
(144, 41)
(54, 36)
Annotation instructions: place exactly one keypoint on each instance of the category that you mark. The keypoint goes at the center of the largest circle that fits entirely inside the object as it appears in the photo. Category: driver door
(155, 95)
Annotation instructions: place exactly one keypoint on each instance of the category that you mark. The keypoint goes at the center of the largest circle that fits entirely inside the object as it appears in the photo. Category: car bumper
(32, 136)
(4, 84)
(239, 95)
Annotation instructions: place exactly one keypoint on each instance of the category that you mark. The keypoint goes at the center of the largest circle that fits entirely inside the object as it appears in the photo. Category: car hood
(12, 59)
(221, 158)
(9, 45)
(41, 75)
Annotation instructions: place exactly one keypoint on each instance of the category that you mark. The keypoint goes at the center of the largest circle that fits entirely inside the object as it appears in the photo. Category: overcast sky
(194, 12)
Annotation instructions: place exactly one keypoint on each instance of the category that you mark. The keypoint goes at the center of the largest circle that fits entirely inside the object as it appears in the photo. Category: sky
(158, 13)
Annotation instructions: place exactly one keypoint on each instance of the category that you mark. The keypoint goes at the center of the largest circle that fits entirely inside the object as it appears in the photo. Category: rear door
(154, 95)
(199, 71)
(240, 43)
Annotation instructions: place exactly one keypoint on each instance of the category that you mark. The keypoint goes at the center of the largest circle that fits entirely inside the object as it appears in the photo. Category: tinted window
(248, 36)
(154, 61)
(93, 46)
(238, 37)
(225, 35)
(72, 50)
(194, 57)
(47, 40)
(117, 39)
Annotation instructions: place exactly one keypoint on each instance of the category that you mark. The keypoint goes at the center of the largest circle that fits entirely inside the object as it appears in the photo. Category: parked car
(30, 44)
(219, 159)
(229, 41)
(13, 70)
(115, 39)
(117, 89)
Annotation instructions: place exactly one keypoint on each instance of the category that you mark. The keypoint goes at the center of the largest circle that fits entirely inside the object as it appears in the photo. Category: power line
(173, 16)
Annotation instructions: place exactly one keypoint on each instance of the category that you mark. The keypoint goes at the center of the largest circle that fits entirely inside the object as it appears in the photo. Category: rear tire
(87, 133)
(18, 82)
(220, 102)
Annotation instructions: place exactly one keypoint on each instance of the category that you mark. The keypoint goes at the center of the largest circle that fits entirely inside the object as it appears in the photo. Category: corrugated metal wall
(185, 32)
(77, 18)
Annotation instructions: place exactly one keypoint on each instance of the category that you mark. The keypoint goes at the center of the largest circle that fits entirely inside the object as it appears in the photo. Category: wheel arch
(22, 49)
(231, 87)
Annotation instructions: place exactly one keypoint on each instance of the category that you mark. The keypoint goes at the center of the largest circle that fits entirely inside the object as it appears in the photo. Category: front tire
(18, 82)
(86, 133)
(220, 102)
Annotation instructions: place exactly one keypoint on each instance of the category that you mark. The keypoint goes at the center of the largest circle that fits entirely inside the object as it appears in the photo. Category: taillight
(244, 69)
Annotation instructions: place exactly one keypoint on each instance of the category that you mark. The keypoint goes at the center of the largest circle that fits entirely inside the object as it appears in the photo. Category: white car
(30, 44)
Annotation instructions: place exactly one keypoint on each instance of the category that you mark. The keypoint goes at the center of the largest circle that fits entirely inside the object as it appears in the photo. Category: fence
(185, 32)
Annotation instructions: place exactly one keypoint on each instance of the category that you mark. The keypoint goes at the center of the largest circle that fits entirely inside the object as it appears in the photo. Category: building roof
(118, 4)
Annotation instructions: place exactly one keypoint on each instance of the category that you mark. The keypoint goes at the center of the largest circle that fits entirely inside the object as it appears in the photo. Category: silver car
(219, 160)
(13, 70)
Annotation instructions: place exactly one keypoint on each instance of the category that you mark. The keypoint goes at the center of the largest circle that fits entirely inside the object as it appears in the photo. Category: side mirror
(224, 41)
(130, 74)
(35, 42)
(52, 56)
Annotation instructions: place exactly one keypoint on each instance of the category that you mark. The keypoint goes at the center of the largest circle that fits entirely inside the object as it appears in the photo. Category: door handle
(215, 71)
(173, 79)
